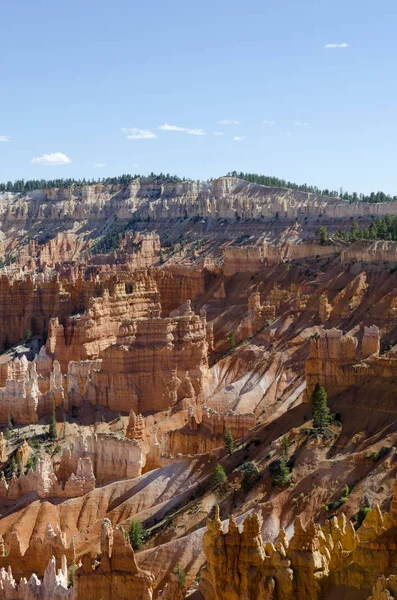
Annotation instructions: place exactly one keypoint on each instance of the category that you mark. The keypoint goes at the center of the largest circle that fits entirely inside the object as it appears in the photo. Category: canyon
(156, 335)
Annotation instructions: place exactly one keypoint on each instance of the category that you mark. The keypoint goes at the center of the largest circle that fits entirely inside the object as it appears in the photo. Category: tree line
(381, 228)
(23, 187)
(373, 197)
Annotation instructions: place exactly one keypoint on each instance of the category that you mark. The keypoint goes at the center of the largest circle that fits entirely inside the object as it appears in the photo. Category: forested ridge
(277, 182)
(21, 186)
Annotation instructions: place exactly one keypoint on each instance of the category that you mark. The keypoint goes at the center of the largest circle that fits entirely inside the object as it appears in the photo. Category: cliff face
(224, 198)
(317, 563)
(371, 251)
(338, 363)
(154, 364)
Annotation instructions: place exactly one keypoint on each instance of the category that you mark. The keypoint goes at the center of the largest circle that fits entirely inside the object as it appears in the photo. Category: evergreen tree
(320, 410)
(228, 439)
(251, 473)
(218, 476)
(322, 234)
(136, 534)
(53, 426)
(232, 341)
(10, 424)
(281, 473)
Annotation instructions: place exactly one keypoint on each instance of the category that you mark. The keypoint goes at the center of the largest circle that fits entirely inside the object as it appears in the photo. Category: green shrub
(180, 571)
(218, 476)
(250, 475)
(281, 473)
(71, 572)
(136, 534)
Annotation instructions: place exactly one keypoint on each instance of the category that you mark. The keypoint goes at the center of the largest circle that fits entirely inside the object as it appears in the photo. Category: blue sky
(80, 78)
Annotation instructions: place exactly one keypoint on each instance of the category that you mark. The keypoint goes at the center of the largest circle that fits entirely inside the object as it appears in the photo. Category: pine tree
(136, 534)
(251, 474)
(320, 410)
(228, 439)
(282, 473)
(9, 422)
(232, 341)
(53, 426)
(218, 476)
(322, 234)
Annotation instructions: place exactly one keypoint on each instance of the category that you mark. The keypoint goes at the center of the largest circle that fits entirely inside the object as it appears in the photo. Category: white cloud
(228, 122)
(218, 133)
(133, 133)
(239, 138)
(343, 45)
(288, 133)
(167, 127)
(99, 165)
(56, 158)
(269, 122)
(301, 124)
(135, 165)
(5, 138)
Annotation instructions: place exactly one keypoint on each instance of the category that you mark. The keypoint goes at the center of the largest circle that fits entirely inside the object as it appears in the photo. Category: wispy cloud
(288, 133)
(239, 138)
(301, 124)
(167, 127)
(135, 165)
(228, 122)
(54, 159)
(99, 165)
(218, 133)
(269, 122)
(133, 133)
(5, 138)
(343, 45)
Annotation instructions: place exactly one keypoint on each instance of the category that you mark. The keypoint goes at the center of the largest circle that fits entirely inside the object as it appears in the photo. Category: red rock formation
(245, 259)
(136, 426)
(111, 458)
(54, 585)
(155, 364)
(117, 570)
(334, 361)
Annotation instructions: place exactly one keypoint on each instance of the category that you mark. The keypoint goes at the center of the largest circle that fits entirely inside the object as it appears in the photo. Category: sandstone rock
(385, 588)
(117, 571)
(111, 458)
(135, 427)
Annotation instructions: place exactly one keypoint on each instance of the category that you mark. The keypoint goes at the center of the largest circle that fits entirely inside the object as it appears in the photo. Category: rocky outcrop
(239, 565)
(138, 251)
(54, 585)
(154, 364)
(258, 315)
(86, 337)
(43, 480)
(334, 361)
(385, 588)
(316, 561)
(135, 427)
(21, 398)
(247, 259)
(378, 251)
(111, 458)
(117, 570)
(40, 551)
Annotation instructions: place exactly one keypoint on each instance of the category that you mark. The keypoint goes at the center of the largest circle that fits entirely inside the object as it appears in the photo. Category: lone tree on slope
(320, 410)
(228, 439)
